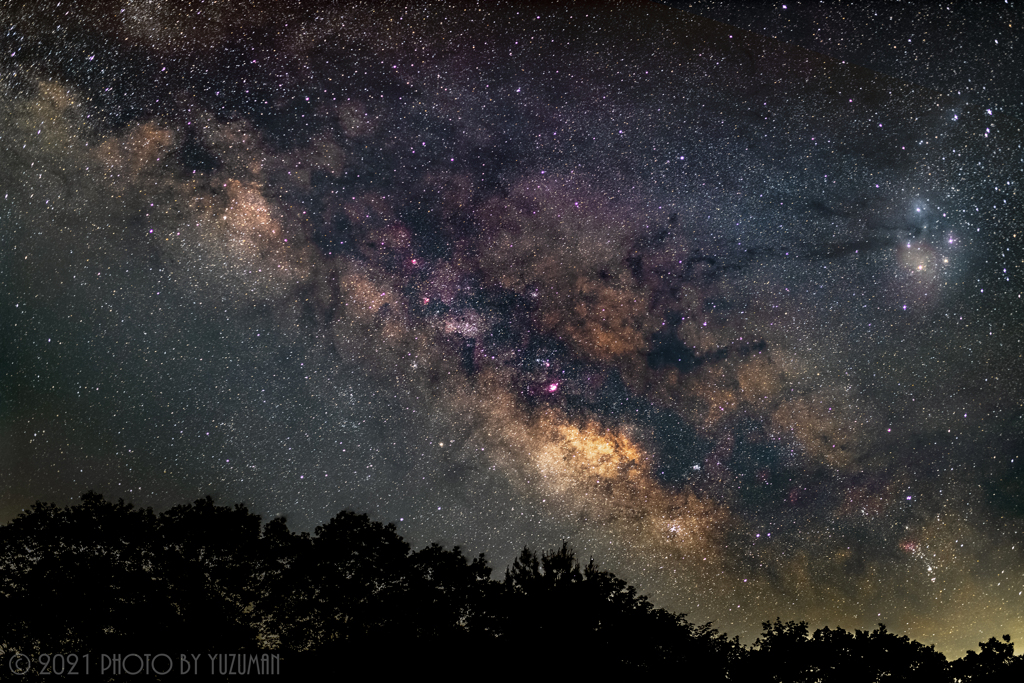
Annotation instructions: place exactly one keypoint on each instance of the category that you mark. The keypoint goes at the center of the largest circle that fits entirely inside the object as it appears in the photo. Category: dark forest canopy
(107, 577)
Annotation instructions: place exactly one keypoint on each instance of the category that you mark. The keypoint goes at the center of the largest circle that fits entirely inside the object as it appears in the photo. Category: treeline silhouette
(106, 577)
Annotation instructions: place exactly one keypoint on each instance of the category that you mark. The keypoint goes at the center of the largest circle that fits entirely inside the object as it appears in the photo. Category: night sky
(735, 308)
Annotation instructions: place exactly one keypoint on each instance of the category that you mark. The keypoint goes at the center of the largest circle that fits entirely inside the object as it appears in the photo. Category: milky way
(740, 320)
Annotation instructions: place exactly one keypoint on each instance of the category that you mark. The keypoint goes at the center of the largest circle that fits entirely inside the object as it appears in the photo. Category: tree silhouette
(994, 662)
(553, 607)
(107, 577)
(449, 596)
(898, 658)
(208, 555)
(783, 652)
(542, 604)
(347, 585)
(279, 614)
(78, 579)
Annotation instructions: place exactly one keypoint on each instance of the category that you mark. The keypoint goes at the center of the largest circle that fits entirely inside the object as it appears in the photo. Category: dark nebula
(740, 319)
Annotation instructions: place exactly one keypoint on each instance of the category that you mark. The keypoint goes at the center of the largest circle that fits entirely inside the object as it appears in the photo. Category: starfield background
(734, 308)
